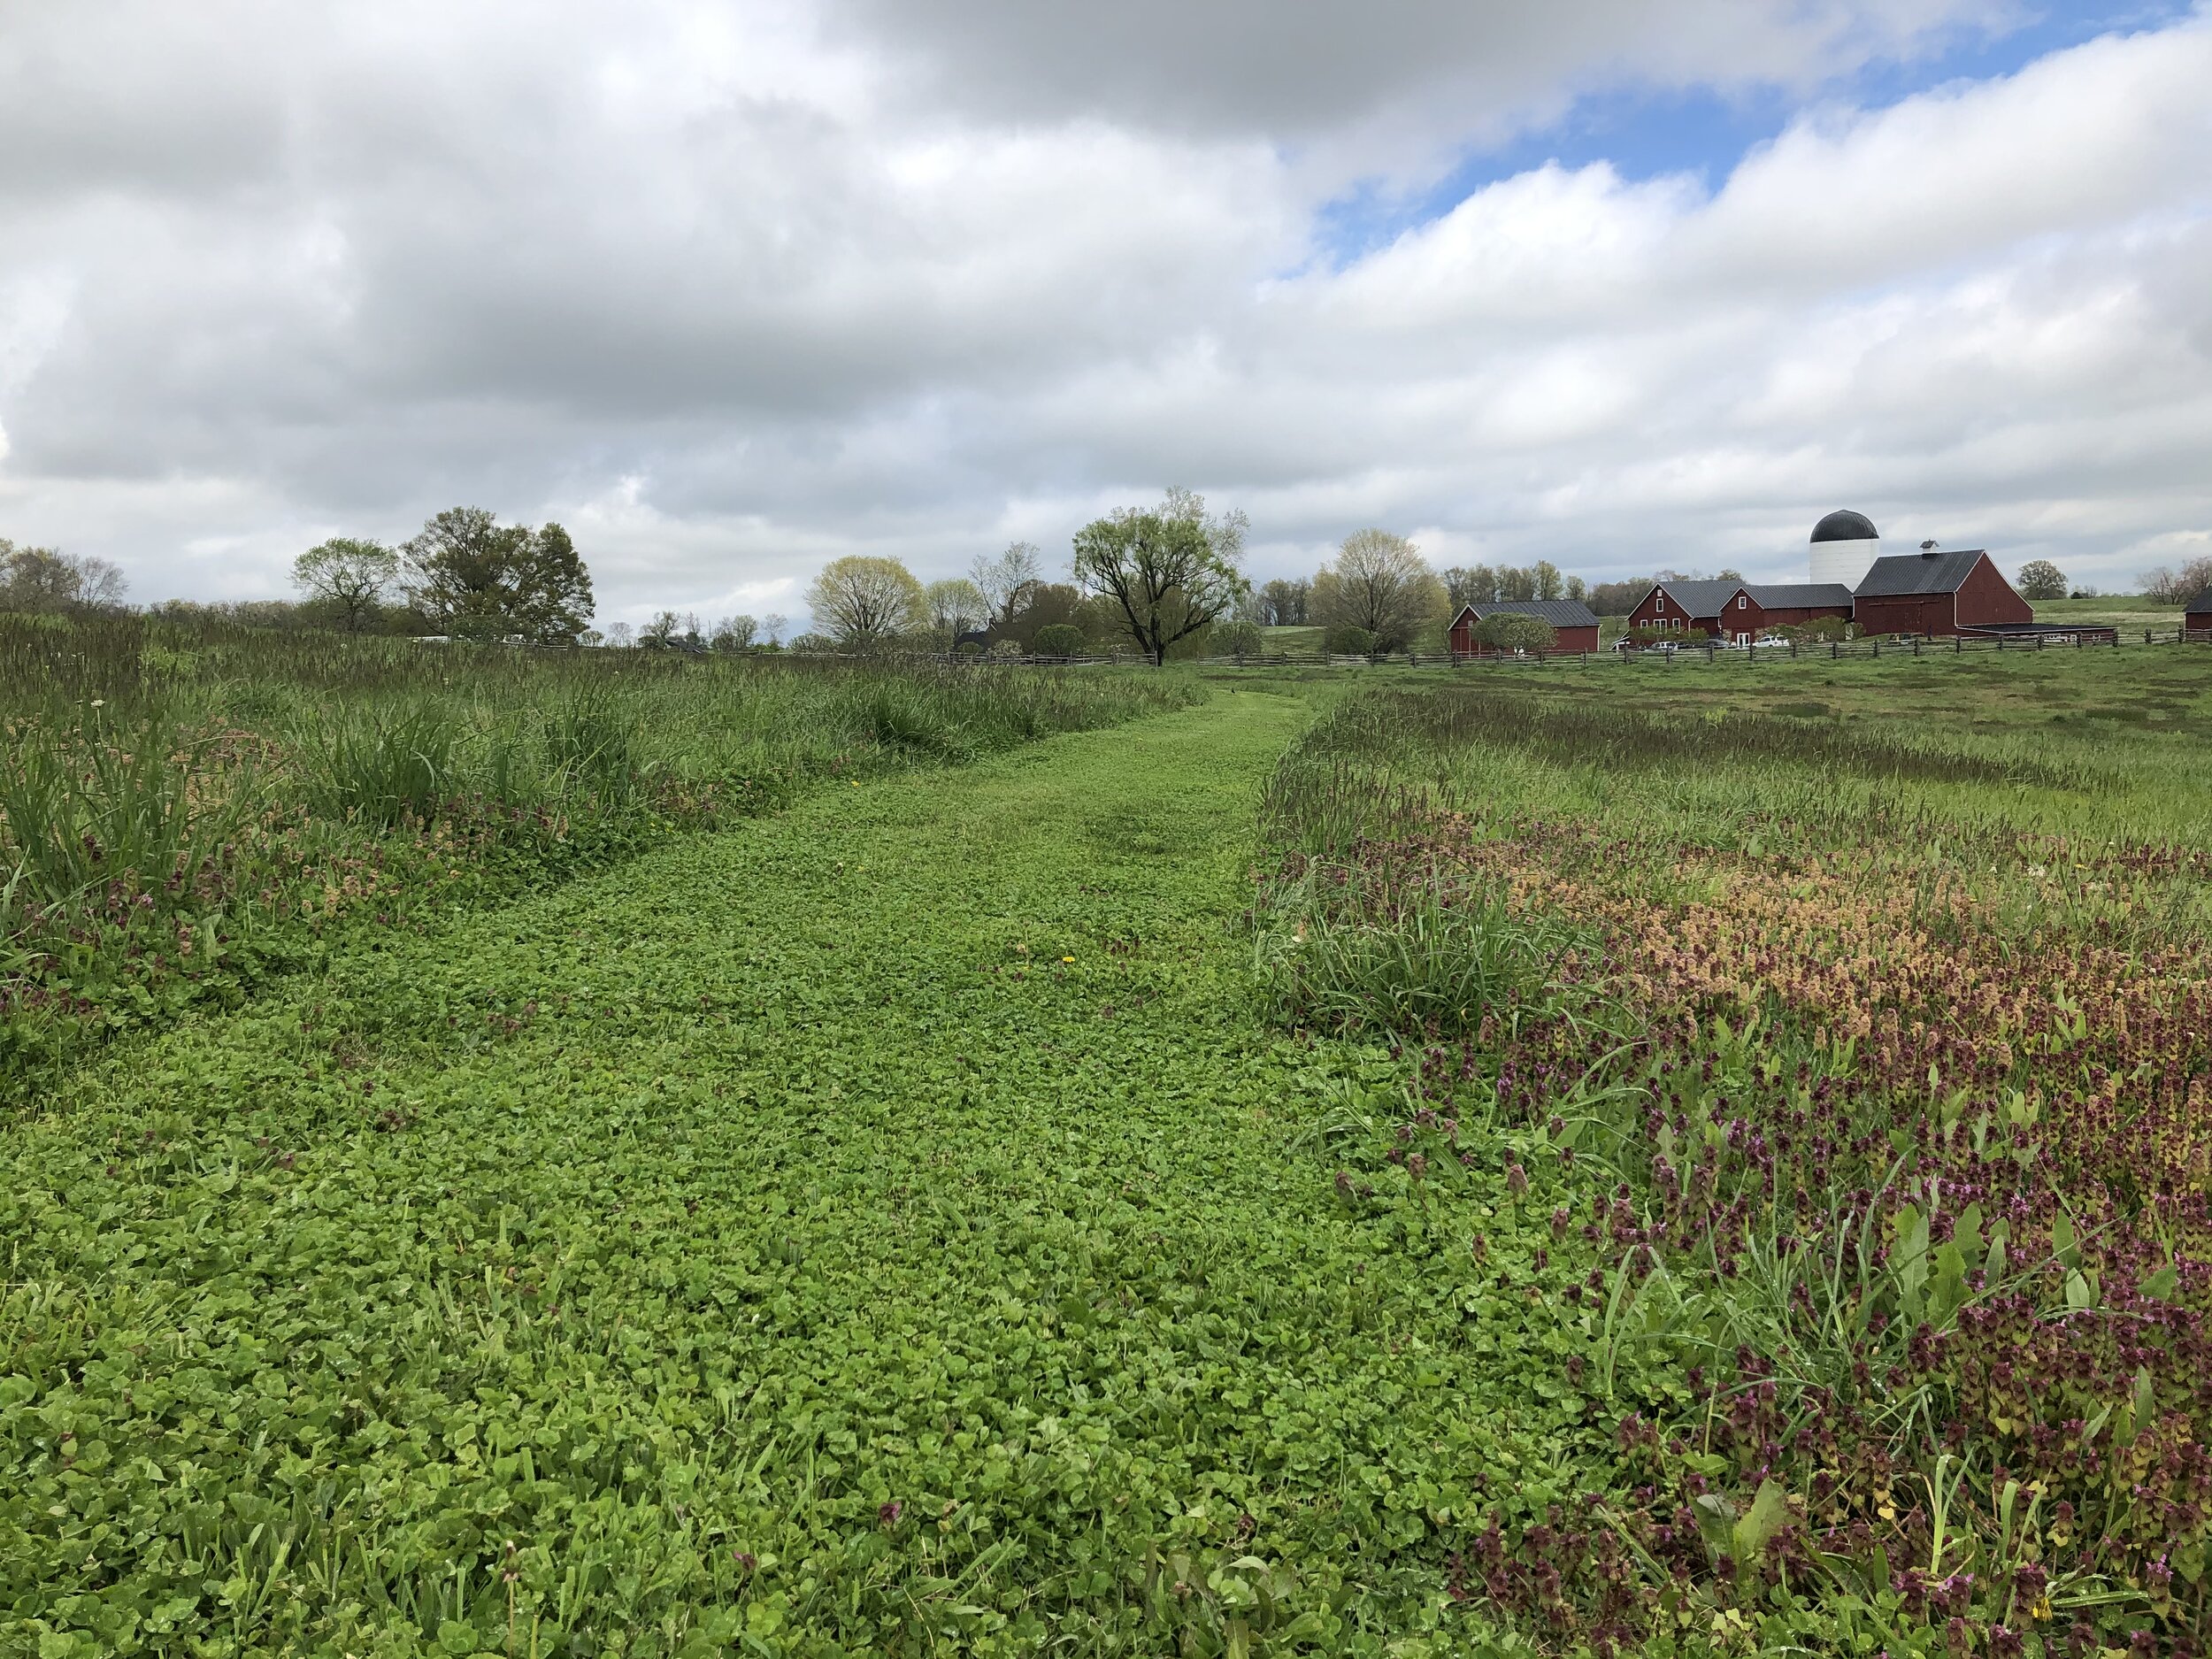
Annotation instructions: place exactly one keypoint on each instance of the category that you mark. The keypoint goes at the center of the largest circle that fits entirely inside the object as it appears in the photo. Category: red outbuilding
(1684, 607)
(1574, 622)
(1937, 592)
(1739, 612)
(2196, 616)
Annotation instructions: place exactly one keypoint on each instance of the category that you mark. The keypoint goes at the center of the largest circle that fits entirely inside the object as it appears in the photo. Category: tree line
(1148, 578)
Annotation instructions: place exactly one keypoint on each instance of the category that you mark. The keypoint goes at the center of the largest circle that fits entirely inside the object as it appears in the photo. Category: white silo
(1845, 546)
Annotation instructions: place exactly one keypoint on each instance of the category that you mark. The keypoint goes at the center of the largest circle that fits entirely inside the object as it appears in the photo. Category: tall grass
(180, 800)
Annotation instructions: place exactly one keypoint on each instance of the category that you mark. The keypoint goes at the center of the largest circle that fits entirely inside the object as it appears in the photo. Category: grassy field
(185, 810)
(1851, 1026)
(1651, 1159)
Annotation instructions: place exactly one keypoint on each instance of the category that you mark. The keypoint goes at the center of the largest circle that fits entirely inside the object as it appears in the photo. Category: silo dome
(1844, 548)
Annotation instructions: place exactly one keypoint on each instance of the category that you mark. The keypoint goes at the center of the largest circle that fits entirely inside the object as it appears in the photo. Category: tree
(1007, 581)
(955, 606)
(39, 579)
(549, 599)
(476, 578)
(2039, 579)
(1470, 585)
(864, 602)
(661, 632)
(1238, 638)
(618, 634)
(1059, 639)
(1618, 599)
(1380, 585)
(773, 624)
(1284, 602)
(1544, 578)
(1171, 570)
(350, 578)
(2166, 586)
(1577, 589)
(1510, 631)
(735, 634)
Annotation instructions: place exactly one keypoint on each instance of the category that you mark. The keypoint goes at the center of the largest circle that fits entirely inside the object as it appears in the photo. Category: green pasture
(890, 1223)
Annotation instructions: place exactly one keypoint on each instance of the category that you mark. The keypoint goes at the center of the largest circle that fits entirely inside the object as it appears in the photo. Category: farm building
(1684, 607)
(1845, 546)
(1739, 612)
(1758, 608)
(2196, 616)
(1937, 591)
(1574, 622)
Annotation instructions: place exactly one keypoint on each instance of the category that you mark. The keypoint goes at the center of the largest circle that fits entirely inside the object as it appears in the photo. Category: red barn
(1684, 607)
(2196, 616)
(1574, 622)
(1756, 608)
(1937, 591)
(1740, 612)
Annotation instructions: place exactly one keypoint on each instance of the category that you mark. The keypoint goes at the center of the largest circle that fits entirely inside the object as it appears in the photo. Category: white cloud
(732, 288)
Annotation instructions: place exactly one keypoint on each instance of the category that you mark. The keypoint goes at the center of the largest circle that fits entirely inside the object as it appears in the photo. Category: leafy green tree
(1059, 639)
(2039, 579)
(1379, 584)
(955, 605)
(1506, 631)
(1469, 585)
(1240, 638)
(1283, 603)
(475, 577)
(350, 579)
(1171, 570)
(862, 602)
(735, 634)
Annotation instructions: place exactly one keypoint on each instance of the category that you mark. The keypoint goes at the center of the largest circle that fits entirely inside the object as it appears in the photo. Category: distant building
(2196, 616)
(1684, 607)
(1938, 591)
(1844, 548)
(1738, 612)
(1574, 622)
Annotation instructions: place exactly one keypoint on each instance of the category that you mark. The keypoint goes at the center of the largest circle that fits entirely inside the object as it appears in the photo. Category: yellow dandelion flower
(1067, 958)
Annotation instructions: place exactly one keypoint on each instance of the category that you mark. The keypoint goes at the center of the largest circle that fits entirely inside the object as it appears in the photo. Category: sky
(730, 290)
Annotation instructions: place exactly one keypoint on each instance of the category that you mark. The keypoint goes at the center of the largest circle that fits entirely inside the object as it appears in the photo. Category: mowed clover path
(882, 1227)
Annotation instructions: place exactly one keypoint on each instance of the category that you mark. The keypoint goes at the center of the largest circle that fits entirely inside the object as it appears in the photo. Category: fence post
(1958, 645)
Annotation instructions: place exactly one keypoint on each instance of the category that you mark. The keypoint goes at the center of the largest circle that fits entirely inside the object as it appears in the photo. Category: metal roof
(2202, 602)
(1844, 525)
(1700, 599)
(1560, 613)
(1798, 596)
(1942, 571)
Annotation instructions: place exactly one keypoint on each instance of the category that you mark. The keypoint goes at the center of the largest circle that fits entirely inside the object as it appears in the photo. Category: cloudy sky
(730, 287)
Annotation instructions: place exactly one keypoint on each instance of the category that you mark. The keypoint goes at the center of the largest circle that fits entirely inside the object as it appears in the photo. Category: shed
(1574, 622)
(1937, 591)
(2196, 616)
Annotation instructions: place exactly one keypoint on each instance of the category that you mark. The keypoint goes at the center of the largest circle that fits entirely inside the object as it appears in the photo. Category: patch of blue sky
(1647, 132)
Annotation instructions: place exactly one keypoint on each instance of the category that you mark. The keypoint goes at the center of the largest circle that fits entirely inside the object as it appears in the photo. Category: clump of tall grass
(89, 798)
(1347, 947)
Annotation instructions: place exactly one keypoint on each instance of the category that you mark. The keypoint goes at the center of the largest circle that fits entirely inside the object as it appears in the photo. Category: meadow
(187, 809)
(1654, 1159)
(1837, 1044)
